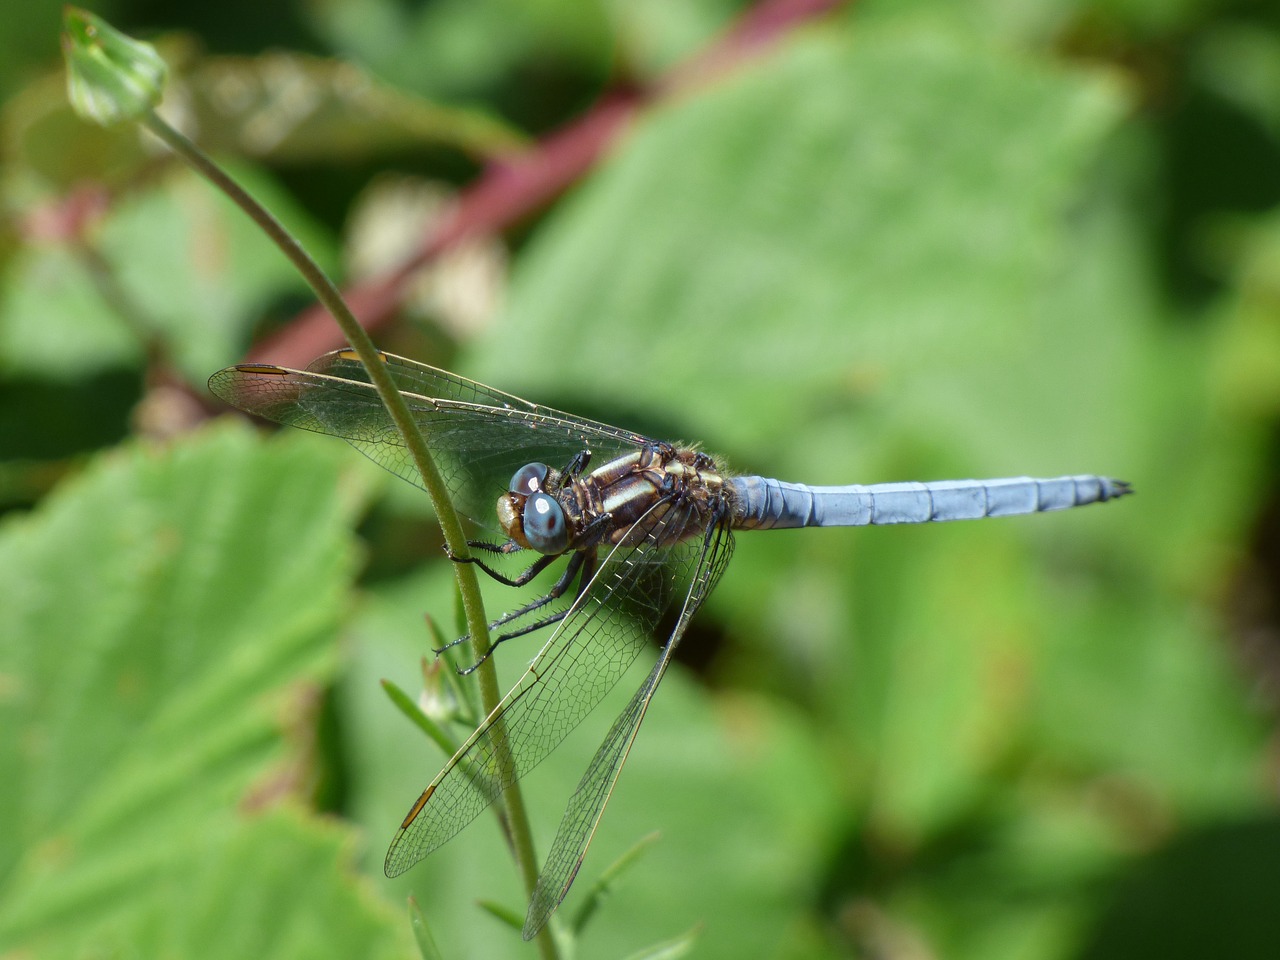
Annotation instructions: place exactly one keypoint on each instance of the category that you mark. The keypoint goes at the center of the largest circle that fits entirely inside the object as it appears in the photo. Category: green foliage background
(910, 241)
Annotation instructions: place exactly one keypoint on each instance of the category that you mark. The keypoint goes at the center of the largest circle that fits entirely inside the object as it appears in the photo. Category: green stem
(472, 603)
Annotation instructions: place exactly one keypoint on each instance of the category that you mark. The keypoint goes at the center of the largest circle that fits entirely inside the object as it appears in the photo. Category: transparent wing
(587, 804)
(414, 377)
(478, 436)
(636, 585)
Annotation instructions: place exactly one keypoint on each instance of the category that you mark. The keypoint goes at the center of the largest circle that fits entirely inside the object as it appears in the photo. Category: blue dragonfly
(645, 529)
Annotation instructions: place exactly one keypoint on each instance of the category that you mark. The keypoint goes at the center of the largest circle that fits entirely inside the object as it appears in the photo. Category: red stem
(511, 190)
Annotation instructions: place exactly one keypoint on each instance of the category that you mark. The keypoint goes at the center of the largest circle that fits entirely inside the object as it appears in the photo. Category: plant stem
(473, 605)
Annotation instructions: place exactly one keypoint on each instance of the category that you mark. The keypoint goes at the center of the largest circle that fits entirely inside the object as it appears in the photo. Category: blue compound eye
(544, 525)
(529, 479)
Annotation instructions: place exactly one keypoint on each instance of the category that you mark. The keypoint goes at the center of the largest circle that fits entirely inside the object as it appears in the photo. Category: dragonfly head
(529, 515)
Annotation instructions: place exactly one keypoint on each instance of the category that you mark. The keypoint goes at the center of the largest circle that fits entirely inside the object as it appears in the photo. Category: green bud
(110, 77)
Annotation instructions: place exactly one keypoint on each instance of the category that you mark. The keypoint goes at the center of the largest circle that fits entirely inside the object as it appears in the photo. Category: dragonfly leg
(534, 569)
(581, 566)
(578, 465)
(593, 532)
(507, 546)
(557, 590)
(522, 632)
(520, 580)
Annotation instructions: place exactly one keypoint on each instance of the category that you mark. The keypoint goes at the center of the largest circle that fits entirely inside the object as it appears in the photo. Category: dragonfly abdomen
(761, 503)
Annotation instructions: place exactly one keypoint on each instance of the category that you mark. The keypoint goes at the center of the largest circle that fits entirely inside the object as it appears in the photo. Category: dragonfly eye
(529, 479)
(544, 525)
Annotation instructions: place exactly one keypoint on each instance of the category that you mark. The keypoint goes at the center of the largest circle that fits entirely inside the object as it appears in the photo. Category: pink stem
(510, 190)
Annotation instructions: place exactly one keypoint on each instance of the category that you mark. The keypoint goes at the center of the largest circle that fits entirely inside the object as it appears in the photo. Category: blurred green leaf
(598, 892)
(983, 20)
(1133, 693)
(656, 36)
(166, 614)
(192, 270)
(296, 109)
(672, 949)
(54, 325)
(422, 933)
(934, 684)
(901, 194)
(740, 782)
(279, 885)
(457, 48)
(505, 915)
(50, 148)
(1246, 369)
(1211, 892)
(1241, 63)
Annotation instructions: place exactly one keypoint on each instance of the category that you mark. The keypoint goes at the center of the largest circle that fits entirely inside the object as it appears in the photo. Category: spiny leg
(521, 579)
(503, 638)
(587, 564)
(581, 563)
(556, 592)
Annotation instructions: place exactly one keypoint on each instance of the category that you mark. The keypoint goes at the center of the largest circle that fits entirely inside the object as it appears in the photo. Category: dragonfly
(645, 529)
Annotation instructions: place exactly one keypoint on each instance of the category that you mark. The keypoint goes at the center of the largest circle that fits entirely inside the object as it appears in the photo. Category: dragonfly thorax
(554, 512)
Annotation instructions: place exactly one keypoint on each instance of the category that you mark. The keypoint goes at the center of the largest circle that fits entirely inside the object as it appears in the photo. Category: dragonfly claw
(470, 669)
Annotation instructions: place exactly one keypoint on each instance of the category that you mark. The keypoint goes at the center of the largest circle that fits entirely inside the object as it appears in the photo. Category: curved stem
(473, 605)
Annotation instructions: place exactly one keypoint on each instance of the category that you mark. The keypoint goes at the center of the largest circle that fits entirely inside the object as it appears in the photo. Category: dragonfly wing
(477, 443)
(599, 638)
(587, 804)
(414, 377)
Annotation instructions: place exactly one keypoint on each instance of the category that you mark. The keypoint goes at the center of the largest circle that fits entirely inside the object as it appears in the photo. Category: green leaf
(600, 891)
(292, 108)
(1211, 892)
(1241, 63)
(743, 867)
(671, 949)
(194, 271)
(54, 324)
(504, 915)
(422, 933)
(830, 196)
(280, 885)
(165, 612)
(460, 50)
